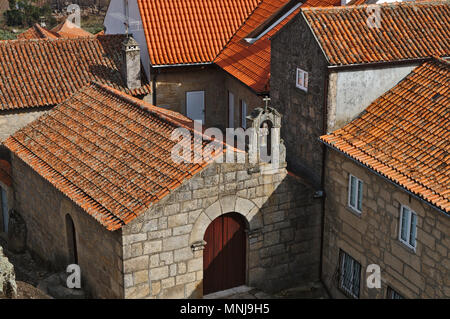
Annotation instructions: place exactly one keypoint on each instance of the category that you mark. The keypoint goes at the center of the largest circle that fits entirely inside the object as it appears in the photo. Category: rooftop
(250, 62)
(108, 152)
(407, 30)
(36, 73)
(404, 135)
(191, 31)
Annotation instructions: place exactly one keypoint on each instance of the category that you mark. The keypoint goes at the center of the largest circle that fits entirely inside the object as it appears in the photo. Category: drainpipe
(322, 182)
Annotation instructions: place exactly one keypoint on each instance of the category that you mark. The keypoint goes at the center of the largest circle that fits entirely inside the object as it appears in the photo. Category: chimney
(131, 63)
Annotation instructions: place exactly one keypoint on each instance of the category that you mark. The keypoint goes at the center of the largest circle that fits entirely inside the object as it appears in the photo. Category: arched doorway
(71, 240)
(224, 257)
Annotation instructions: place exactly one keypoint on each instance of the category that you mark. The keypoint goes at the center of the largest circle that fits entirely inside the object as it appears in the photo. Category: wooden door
(224, 257)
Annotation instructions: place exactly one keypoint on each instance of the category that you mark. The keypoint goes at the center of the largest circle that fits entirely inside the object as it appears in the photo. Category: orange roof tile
(405, 134)
(37, 32)
(44, 72)
(190, 31)
(409, 30)
(108, 152)
(250, 63)
(68, 29)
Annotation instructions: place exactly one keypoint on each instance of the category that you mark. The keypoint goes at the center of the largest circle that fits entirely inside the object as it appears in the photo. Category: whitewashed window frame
(409, 229)
(358, 194)
(305, 78)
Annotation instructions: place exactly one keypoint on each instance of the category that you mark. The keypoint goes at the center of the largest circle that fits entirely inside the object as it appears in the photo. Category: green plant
(26, 13)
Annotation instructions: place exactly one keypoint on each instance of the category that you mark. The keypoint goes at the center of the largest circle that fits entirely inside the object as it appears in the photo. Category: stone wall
(10, 122)
(173, 83)
(241, 93)
(372, 237)
(283, 235)
(295, 47)
(44, 210)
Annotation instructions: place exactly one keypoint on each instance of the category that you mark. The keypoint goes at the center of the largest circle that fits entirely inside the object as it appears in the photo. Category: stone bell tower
(131, 63)
(269, 147)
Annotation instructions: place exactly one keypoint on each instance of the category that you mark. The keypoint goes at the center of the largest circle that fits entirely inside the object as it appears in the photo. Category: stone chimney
(131, 63)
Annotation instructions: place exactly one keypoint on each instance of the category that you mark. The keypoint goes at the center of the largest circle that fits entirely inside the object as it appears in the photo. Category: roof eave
(387, 179)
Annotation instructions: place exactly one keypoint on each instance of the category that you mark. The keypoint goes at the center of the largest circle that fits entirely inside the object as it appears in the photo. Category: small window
(408, 227)
(392, 294)
(355, 191)
(350, 274)
(302, 80)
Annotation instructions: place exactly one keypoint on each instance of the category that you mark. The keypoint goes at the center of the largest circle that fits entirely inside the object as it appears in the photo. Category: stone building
(36, 75)
(329, 64)
(214, 66)
(102, 163)
(387, 200)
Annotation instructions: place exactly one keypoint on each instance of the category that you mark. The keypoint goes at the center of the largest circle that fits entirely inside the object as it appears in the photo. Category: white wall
(115, 24)
(351, 92)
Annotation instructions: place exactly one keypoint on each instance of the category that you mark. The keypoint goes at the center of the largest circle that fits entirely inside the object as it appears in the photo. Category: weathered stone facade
(12, 121)
(44, 210)
(372, 237)
(160, 260)
(172, 84)
(295, 47)
(159, 254)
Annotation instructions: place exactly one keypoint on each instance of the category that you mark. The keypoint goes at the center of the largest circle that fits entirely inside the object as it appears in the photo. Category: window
(302, 80)
(350, 275)
(243, 114)
(408, 227)
(392, 294)
(355, 191)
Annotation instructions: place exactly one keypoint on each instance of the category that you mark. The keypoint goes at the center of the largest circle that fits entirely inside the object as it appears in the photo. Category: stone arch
(226, 204)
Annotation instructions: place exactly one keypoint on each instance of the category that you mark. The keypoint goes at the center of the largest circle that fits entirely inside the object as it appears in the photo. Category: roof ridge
(384, 4)
(62, 39)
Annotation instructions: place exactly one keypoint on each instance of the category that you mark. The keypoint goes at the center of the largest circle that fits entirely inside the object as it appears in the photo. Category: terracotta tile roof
(250, 63)
(409, 30)
(405, 134)
(359, 2)
(37, 32)
(5, 173)
(108, 152)
(190, 31)
(67, 29)
(37, 73)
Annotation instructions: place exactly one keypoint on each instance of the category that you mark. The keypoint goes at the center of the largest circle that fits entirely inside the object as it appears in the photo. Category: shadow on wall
(282, 240)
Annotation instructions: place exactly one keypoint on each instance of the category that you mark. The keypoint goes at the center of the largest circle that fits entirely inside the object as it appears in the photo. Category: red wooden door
(225, 253)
